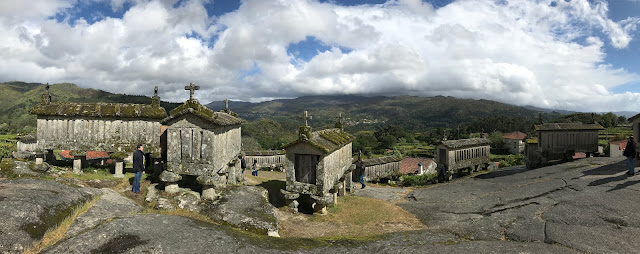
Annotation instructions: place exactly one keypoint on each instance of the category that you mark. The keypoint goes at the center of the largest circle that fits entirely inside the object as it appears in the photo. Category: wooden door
(305, 166)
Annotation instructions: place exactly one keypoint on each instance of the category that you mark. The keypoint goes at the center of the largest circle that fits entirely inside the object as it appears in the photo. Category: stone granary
(378, 168)
(204, 144)
(109, 127)
(318, 164)
(457, 155)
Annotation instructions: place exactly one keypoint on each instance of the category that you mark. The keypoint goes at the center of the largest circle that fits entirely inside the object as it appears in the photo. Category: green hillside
(19, 97)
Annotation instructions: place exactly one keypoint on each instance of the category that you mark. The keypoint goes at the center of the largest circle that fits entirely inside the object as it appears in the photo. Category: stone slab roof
(631, 119)
(381, 160)
(327, 140)
(514, 135)
(100, 110)
(193, 107)
(28, 139)
(567, 126)
(465, 142)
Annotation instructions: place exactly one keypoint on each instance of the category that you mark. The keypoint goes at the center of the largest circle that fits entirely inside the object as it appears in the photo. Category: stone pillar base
(39, 160)
(171, 188)
(77, 166)
(119, 170)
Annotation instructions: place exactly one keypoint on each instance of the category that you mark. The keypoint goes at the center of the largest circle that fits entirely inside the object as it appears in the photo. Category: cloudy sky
(576, 55)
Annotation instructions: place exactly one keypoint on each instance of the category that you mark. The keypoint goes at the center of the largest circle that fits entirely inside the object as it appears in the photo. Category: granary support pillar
(348, 178)
(119, 169)
(79, 161)
(170, 180)
(211, 186)
(39, 158)
(290, 199)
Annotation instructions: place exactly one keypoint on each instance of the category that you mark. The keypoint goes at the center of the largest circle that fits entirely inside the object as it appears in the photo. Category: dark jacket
(138, 161)
(243, 163)
(630, 150)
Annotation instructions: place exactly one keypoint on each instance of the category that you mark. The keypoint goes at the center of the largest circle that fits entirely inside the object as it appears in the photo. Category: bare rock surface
(245, 207)
(110, 205)
(29, 206)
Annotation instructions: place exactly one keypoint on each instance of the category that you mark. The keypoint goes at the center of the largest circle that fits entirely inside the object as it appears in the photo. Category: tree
(496, 140)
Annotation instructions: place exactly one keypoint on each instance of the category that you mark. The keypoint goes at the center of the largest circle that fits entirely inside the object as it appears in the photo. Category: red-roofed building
(92, 156)
(616, 148)
(411, 166)
(513, 142)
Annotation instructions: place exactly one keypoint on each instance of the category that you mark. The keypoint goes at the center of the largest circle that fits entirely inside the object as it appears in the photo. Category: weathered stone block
(169, 177)
(171, 188)
(210, 193)
(289, 195)
(42, 167)
(77, 166)
(218, 181)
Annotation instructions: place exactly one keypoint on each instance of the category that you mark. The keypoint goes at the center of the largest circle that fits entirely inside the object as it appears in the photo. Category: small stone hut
(471, 154)
(378, 168)
(202, 143)
(318, 164)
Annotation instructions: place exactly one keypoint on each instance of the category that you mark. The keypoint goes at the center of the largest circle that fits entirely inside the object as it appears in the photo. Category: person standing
(254, 168)
(138, 168)
(243, 163)
(630, 152)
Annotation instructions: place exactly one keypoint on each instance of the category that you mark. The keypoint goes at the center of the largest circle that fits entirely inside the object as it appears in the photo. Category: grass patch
(417, 180)
(6, 168)
(354, 217)
(55, 234)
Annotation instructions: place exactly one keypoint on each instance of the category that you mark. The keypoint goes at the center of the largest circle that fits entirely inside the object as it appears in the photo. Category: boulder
(43, 167)
(110, 205)
(245, 207)
(29, 207)
(188, 200)
(24, 155)
(210, 194)
(164, 204)
(170, 177)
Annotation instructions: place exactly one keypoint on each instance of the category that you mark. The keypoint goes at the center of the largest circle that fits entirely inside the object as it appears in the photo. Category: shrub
(416, 180)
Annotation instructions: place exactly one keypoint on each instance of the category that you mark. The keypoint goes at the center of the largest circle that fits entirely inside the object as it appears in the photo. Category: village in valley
(316, 186)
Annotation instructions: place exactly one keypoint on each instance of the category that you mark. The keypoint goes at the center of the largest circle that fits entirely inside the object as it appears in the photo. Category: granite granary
(318, 164)
(202, 143)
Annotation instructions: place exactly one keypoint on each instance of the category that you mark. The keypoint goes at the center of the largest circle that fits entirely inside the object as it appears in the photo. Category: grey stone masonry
(317, 165)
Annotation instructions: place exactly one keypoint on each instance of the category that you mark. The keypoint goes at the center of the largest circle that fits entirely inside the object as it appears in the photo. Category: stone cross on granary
(339, 118)
(46, 96)
(155, 91)
(191, 87)
(306, 117)
(155, 100)
(226, 104)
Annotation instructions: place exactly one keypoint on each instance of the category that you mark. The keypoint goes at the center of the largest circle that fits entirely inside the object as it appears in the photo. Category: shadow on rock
(274, 187)
(120, 244)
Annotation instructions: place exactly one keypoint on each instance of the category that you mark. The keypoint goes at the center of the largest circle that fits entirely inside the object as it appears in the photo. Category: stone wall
(376, 172)
(562, 141)
(101, 134)
(335, 165)
(20, 146)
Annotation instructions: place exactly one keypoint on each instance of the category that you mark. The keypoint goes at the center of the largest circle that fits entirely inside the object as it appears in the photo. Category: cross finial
(226, 103)
(47, 87)
(191, 87)
(339, 118)
(306, 117)
(155, 91)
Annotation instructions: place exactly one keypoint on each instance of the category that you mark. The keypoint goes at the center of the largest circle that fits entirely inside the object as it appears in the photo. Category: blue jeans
(136, 182)
(362, 181)
(630, 163)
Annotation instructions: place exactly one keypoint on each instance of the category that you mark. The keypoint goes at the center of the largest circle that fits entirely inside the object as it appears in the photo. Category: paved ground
(586, 206)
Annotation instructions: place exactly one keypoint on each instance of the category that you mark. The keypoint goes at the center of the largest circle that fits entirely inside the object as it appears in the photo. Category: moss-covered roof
(567, 126)
(195, 108)
(327, 140)
(531, 141)
(265, 153)
(465, 142)
(381, 160)
(100, 110)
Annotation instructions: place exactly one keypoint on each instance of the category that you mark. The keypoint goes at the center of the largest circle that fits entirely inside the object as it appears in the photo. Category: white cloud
(527, 52)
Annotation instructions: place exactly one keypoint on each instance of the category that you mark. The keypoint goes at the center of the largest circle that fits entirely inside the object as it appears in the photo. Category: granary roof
(531, 141)
(195, 108)
(265, 153)
(514, 135)
(465, 142)
(29, 138)
(633, 117)
(100, 110)
(91, 155)
(381, 160)
(409, 165)
(327, 140)
(567, 126)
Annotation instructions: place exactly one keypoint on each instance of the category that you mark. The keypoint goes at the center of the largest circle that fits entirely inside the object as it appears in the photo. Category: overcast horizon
(578, 55)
